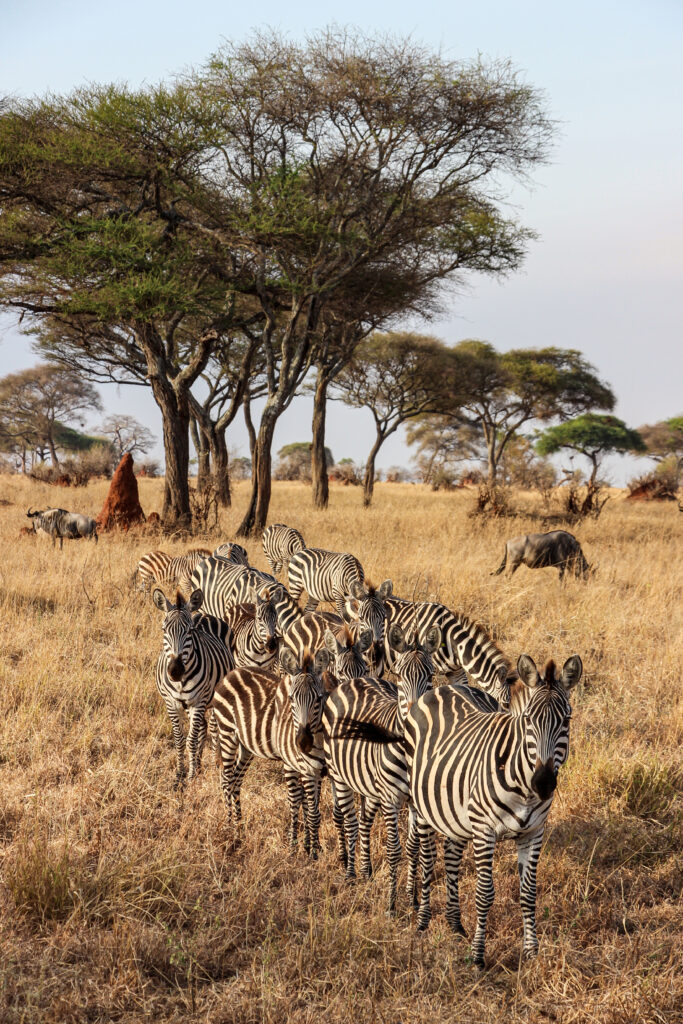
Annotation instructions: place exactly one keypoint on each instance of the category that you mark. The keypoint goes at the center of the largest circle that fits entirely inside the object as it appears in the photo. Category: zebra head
(306, 693)
(367, 607)
(414, 667)
(234, 553)
(178, 627)
(349, 662)
(546, 719)
(265, 619)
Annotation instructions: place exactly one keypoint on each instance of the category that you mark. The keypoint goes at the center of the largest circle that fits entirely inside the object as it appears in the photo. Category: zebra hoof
(479, 965)
(422, 928)
(457, 929)
(530, 954)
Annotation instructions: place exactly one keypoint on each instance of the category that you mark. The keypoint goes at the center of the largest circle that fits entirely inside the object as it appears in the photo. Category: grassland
(122, 901)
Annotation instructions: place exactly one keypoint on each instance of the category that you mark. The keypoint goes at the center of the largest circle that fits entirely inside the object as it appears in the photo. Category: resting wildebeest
(539, 550)
(57, 522)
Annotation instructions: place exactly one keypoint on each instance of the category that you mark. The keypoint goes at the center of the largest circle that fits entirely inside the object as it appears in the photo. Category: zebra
(377, 772)
(253, 632)
(159, 567)
(195, 656)
(465, 649)
(224, 584)
(259, 713)
(232, 552)
(324, 575)
(482, 775)
(280, 542)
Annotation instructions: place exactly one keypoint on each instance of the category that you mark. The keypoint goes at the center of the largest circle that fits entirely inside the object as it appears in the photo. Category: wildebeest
(57, 522)
(539, 550)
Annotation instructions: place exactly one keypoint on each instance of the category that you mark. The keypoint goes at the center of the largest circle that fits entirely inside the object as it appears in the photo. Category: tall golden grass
(121, 900)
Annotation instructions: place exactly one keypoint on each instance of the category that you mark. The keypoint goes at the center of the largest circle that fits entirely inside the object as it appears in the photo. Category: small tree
(127, 435)
(295, 461)
(664, 444)
(443, 446)
(592, 436)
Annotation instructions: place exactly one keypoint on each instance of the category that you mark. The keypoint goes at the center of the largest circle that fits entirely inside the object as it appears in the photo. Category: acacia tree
(37, 404)
(397, 376)
(664, 443)
(126, 434)
(504, 391)
(592, 436)
(443, 445)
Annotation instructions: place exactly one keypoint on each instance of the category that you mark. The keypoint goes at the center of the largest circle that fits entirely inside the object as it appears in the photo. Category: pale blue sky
(606, 274)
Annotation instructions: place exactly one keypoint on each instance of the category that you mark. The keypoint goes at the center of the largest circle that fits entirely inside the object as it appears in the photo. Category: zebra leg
(345, 797)
(179, 741)
(338, 818)
(228, 745)
(195, 738)
(413, 853)
(390, 812)
(427, 860)
(311, 604)
(483, 860)
(295, 796)
(528, 851)
(242, 761)
(311, 787)
(452, 853)
(368, 810)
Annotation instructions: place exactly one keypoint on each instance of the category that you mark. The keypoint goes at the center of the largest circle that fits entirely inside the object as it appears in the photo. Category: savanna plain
(121, 900)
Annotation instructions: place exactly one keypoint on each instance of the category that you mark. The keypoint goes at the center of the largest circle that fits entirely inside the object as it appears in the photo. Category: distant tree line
(260, 226)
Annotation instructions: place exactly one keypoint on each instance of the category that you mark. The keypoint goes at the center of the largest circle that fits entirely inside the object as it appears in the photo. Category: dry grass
(121, 901)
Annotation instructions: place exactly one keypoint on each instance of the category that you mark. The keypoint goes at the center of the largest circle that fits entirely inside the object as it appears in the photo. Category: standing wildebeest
(539, 550)
(60, 523)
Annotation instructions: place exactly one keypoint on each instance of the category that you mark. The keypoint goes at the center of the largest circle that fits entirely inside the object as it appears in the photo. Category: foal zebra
(280, 543)
(324, 575)
(259, 714)
(159, 567)
(465, 648)
(376, 771)
(195, 656)
(485, 776)
(253, 632)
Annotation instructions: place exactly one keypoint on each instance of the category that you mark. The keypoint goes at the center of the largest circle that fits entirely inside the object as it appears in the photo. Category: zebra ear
(364, 639)
(572, 670)
(331, 642)
(289, 662)
(196, 598)
(396, 639)
(161, 601)
(321, 661)
(527, 671)
(385, 590)
(350, 609)
(432, 641)
(357, 590)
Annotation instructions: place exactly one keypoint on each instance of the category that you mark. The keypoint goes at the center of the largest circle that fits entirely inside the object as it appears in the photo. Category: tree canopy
(592, 436)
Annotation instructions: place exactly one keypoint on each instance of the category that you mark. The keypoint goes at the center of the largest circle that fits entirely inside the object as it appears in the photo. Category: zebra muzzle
(544, 779)
(271, 644)
(304, 739)
(176, 669)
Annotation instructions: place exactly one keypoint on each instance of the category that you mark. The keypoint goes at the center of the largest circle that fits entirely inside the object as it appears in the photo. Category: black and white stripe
(224, 584)
(253, 632)
(259, 714)
(375, 771)
(482, 776)
(280, 544)
(195, 656)
(159, 567)
(232, 552)
(324, 575)
(466, 650)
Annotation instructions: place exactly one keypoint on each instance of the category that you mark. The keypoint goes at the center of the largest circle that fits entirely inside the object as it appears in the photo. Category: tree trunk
(221, 469)
(53, 451)
(320, 482)
(256, 517)
(492, 465)
(202, 449)
(252, 434)
(369, 478)
(175, 417)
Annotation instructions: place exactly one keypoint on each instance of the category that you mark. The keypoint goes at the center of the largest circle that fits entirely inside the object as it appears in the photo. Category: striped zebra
(280, 543)
(484, 776)
(253, 632)
(159, 567)
(377, 772)
(224, 584)
(195, 656)
(324, 575)
(232, 552)
(465, 650)
(259, 714)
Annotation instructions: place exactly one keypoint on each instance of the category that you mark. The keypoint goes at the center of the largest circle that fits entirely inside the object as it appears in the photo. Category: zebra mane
(345, 636)
(370, 587)
(549, 673)
(179, 599)
(307, 662)
(199, 551)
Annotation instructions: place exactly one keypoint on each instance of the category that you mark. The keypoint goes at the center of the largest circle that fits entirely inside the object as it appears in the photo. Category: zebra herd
(352, 695)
